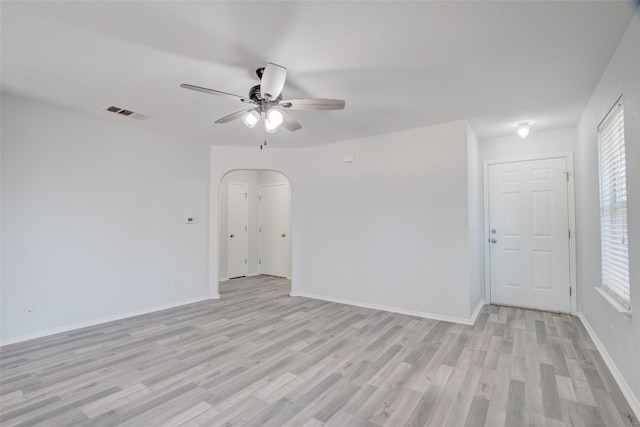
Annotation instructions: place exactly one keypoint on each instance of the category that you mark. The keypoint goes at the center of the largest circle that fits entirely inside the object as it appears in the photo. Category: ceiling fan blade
(216, 92)
(313, 104)
(272, 82)
(289, 122)
(233, 116)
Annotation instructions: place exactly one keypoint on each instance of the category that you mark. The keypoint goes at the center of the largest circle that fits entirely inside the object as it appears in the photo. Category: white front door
(274, 229)
(529, 234)
(237, 237)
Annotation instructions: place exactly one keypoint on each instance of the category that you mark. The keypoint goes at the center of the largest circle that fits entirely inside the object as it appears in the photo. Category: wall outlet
(29, 310)
(172, 286)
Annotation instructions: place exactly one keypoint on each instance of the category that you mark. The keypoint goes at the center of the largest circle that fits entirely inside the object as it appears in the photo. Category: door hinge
(245, 260)
(245, 195)
(259, 198)
(569, 233)
(569, 290)
(245, 228)
(260, 261)
(566, 174)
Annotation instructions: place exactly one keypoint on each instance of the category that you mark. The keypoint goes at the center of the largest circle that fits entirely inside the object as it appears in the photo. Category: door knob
(231, 236)
(494, 241)
(283, 235)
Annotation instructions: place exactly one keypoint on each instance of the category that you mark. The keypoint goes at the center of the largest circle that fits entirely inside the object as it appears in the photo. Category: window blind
(613, 205)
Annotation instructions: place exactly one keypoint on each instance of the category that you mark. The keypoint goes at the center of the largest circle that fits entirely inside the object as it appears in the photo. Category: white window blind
(613, 205)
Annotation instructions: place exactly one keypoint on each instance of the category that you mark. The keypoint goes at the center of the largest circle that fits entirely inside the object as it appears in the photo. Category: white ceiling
(398, 64)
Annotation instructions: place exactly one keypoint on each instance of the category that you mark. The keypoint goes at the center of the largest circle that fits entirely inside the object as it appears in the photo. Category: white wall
(93, 219)
(397, 217)
(536, 144)
(475, 217)
(618, 337)
(272, 177)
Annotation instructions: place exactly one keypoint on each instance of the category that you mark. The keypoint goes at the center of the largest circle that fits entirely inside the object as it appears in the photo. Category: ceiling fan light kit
(267, 99)
(250, 118)
(523, 129)
(270, 127)
(275, 117)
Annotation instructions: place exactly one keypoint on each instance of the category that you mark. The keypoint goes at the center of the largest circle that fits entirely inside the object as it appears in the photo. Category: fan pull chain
(264, 135)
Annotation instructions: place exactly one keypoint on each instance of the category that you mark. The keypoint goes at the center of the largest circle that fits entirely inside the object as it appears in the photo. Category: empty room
(320, 213)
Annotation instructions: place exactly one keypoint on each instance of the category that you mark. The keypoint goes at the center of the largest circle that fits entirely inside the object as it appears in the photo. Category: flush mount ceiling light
(523, 129)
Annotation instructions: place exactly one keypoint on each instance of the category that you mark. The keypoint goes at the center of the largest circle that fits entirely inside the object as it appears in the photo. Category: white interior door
(529, 234)
(237, 236)
(274, 229)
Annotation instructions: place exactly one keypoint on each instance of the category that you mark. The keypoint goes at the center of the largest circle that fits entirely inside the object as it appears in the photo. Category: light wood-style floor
(258, 357)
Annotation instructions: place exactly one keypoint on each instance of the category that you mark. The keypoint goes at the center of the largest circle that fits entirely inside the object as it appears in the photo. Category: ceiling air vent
(123, 112)
(139, 116)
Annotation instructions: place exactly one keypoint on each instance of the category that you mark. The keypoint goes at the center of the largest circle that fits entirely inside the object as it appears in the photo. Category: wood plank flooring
(257, 357)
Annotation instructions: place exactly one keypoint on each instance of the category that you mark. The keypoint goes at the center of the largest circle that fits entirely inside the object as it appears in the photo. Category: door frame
(568, 157)
(287, 254)
(246, 234)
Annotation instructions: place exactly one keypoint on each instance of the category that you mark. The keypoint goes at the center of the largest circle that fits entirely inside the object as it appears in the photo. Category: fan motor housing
(254, 95)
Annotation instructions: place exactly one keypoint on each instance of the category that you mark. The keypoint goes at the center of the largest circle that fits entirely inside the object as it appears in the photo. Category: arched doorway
(254, 224)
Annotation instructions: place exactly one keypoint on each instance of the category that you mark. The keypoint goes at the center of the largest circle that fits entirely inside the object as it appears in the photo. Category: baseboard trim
(72, 327)
(476, 312)
(632, 399)
(452, 319)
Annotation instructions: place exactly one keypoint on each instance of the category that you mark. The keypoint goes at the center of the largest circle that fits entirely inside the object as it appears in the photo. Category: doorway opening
(254, 225)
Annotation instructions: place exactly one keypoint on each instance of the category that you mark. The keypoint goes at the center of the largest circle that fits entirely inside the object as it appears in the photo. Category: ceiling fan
(266, 101)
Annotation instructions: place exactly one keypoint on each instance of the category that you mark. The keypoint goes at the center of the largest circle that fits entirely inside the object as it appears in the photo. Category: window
(613, 205)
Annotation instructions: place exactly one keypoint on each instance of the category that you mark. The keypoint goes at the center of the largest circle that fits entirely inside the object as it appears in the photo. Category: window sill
(624, 311)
